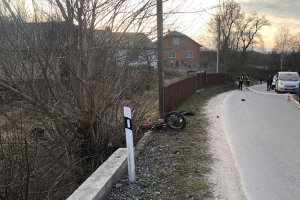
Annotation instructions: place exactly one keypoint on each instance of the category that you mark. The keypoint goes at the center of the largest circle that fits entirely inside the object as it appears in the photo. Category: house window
(189, 54)
(176, 41)
(172, 54)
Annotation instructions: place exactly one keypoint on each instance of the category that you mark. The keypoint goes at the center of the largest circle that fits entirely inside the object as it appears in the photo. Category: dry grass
(175, 164)
(173, 75)
(191, 159)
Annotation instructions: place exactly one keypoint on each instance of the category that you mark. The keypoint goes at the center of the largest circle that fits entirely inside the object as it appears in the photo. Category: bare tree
(66, 69)
(66, 78)
(296, 42)
(283, 44)
(238, 30)
(248, 30)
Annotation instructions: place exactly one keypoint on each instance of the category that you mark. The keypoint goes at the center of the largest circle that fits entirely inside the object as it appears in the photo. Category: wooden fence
(201, 80)
(214, 79)
(177, 93)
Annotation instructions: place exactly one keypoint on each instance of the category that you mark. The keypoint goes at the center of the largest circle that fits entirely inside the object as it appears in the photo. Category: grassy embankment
(175, 164)
(189, 151)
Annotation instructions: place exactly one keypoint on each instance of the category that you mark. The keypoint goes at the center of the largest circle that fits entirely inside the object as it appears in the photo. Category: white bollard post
(129, 144)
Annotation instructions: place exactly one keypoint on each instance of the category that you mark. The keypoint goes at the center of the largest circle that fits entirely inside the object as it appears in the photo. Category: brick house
(180, 50)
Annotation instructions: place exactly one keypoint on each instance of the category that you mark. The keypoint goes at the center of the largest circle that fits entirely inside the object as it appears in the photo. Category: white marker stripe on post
(129, 144)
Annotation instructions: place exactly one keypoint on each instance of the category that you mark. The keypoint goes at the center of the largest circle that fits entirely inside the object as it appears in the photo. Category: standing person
(298, 93)
(241, 79)
(269, 83)
(182, 63)
(260, 80)
(248, 79)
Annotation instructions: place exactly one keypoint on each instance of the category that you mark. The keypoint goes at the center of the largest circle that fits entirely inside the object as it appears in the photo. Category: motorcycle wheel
(175, 120)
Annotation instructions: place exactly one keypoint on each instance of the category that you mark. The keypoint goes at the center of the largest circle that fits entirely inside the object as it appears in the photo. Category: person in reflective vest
(248, 79)
(241, 79)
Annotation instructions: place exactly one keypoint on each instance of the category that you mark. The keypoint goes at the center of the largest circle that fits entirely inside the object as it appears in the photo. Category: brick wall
(185, 44)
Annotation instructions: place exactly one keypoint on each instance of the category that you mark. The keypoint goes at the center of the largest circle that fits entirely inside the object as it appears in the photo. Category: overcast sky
(281, 13)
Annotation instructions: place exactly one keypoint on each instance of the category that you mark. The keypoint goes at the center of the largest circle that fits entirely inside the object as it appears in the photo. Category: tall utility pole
(159, 57)
(281, 60)
(218, 53)
(252, 65)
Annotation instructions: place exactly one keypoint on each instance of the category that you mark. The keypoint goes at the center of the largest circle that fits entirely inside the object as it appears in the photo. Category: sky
(284, 13)
(281, 13)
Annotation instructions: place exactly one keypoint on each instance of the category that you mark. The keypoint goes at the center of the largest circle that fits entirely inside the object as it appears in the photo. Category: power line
(272, 5)
(188, 12)
(198, 11)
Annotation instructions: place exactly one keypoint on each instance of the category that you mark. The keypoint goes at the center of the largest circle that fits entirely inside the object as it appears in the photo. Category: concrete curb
(142, 143)
(100, 183)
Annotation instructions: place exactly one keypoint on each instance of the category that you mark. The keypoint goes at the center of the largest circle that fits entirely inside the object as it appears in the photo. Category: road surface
(264, 136)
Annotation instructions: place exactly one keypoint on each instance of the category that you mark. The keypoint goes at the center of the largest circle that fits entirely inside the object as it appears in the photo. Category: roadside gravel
(224, 177)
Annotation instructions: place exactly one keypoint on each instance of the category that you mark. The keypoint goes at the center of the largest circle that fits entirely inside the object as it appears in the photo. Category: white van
(287, 82)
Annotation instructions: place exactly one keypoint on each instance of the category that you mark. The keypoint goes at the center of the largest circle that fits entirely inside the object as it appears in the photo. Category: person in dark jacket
(298, 94)
(269, 83)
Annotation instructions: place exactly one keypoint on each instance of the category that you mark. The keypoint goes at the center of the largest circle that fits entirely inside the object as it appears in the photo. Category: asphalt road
(264, 135)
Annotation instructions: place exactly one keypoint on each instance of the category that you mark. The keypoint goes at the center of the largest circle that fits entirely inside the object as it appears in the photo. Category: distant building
(111, 49)
(134, 48)
(180, 50)
(23, 44)
(48, 36)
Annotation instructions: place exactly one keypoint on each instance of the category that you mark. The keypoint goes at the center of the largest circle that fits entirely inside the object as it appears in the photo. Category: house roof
(54, 35)
(178, 34)
(126, 39)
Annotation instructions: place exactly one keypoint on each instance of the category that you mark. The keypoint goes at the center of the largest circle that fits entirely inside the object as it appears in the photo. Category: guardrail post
(129, 144)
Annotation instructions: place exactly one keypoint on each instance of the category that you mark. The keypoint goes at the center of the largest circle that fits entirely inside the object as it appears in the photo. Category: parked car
(287, 82)
(274, 82)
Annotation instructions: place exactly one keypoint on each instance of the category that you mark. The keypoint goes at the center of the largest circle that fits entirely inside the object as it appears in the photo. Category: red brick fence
(177, 93)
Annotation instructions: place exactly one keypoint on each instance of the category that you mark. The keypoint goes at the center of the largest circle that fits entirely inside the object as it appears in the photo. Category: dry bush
(68, 68)
(29, 168)
(60, 74)
(174, 75)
